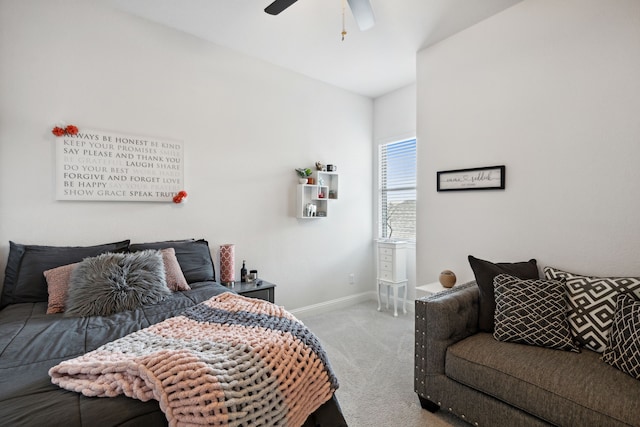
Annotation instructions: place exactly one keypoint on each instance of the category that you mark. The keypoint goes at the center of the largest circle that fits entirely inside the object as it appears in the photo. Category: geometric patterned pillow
(623, 349)
(551, 273)
(592, 304)
(532, 312)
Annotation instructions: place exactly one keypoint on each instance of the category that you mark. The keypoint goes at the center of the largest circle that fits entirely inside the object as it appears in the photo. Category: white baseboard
(344, 302)
(327, 306)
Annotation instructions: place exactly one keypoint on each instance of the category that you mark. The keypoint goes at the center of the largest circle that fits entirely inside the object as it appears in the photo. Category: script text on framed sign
(486, 178)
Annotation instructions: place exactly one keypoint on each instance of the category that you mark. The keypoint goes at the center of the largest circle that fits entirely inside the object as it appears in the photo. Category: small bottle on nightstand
(243, 272)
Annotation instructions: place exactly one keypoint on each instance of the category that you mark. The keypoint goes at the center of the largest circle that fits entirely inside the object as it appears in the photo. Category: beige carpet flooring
(371, 353)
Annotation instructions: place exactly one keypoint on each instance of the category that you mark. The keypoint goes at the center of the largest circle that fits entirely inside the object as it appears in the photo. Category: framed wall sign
(487, 178)
(97, 165)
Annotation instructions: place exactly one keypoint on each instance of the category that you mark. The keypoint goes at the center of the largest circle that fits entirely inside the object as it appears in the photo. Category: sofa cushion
(592, 304)
(562, 388)
(623, 349)
(532, 312)
(485, 272)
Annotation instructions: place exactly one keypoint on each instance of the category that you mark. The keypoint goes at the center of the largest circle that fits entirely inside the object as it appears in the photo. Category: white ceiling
(306, 37)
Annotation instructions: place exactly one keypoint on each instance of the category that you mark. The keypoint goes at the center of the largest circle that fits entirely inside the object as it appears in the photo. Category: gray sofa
(490, 383)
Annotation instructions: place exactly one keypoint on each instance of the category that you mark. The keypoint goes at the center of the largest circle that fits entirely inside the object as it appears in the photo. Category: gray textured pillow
(110, 283)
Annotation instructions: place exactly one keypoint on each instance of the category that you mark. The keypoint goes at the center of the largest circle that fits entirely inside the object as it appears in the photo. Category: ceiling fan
(361, 9)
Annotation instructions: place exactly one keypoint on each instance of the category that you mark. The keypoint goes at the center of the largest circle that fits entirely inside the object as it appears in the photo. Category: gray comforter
(31, 342)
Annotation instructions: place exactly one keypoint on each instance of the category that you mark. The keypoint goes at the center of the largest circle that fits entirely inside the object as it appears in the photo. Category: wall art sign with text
(487, 178)
(97, 165)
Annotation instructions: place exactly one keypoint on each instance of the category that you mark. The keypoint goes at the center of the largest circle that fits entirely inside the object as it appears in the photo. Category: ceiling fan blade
(278, 6)
(363, 13)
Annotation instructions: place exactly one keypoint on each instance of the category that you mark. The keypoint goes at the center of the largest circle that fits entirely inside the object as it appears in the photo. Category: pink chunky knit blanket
(229, 361)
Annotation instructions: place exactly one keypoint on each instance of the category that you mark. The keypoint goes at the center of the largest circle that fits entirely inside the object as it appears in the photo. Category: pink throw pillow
(58, 285)
(173, 272)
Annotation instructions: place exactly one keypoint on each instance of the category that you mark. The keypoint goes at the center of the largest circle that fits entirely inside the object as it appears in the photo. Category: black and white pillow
(532, 312)
(623, 348)
(592, 304)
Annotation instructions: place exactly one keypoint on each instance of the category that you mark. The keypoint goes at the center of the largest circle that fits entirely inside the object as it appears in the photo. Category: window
(397, 192)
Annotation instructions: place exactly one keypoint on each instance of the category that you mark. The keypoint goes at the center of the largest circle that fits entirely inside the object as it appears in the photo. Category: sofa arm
(442, 320)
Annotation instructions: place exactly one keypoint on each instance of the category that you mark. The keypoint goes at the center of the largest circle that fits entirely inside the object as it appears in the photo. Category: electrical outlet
(352, 279)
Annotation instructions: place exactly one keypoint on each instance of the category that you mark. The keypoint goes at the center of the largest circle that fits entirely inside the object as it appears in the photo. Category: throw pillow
(173, 273)
(592, 304)
(194, 257)
(110, 283)
(623, 348)
(532, 312)
(485, 272)
(58, 280)
(58, 286)
(24, 280)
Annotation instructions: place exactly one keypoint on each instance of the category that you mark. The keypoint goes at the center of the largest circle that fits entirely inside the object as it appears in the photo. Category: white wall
(394, 115)
(551, 90)
(245, 125)
(394, 119)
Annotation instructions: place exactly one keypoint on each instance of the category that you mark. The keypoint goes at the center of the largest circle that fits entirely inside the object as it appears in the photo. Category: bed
(34, 343)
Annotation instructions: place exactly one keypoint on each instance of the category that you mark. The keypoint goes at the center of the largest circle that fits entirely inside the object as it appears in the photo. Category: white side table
(429, 289)
(392, 272)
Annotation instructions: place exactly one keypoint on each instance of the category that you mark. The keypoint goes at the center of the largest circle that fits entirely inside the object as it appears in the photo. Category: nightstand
(260, 289)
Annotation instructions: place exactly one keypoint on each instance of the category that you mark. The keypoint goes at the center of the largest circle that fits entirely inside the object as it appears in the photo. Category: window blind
(397, 198)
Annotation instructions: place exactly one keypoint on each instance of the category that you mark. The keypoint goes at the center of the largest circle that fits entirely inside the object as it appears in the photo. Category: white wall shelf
(325, 188)
(329, 180)
(311, 195)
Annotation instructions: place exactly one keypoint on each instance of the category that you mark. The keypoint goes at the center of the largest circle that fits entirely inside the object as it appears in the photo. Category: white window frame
(378, 209)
